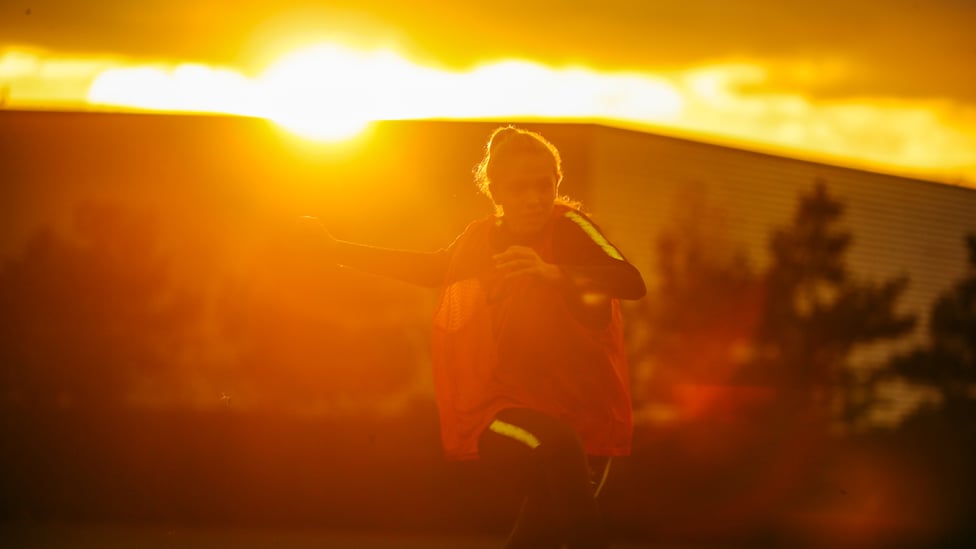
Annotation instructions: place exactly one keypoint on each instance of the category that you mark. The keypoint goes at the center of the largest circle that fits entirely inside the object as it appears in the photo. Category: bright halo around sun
(329, 92)
(323, 93)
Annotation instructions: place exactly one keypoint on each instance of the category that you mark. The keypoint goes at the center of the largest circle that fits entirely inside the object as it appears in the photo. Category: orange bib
(499, 345)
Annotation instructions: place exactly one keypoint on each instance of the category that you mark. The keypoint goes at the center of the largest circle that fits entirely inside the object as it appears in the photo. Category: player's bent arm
(591, 263)
(621, 281)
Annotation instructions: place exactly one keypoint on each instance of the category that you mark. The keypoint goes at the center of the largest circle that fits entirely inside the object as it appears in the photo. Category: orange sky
(881, 85)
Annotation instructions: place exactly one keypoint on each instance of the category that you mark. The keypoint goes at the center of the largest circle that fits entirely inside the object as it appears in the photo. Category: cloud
(934, 138)
(34, 77)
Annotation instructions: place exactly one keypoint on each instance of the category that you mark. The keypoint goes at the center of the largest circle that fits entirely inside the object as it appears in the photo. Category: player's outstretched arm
(422, 268)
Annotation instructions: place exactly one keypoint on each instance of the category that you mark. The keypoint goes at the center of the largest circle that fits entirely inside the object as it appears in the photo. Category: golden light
(27, 76)
(185, 88)
(521, 88)
(330, 91)
(326, 92)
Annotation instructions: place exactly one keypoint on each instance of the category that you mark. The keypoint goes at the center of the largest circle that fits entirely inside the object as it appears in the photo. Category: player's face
(525, 187)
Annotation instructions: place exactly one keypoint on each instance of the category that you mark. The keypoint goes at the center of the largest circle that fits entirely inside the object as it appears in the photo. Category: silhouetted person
(528, 354)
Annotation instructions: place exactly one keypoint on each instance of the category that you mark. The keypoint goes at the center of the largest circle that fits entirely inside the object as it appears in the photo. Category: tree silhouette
(701, 314)
(87, 316)
(816, 312)
(948, 362)
(942, 436)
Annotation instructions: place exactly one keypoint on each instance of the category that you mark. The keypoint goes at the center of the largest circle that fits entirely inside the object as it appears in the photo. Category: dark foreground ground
(114, 536)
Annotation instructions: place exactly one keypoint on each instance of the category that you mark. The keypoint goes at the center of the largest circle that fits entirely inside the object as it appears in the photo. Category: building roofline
(649, 132)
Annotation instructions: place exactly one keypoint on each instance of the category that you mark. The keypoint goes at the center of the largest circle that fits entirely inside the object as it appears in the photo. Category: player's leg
(547, 456)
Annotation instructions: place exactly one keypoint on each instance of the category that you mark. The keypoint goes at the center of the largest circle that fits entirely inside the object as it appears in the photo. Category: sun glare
(331, 92)
(316, 93)
(187, 88)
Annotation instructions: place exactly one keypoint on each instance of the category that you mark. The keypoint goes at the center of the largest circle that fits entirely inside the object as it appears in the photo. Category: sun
(323, 93)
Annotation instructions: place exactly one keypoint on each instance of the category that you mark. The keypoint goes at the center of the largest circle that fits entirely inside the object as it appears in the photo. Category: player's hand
(522, 260)
(312, 230)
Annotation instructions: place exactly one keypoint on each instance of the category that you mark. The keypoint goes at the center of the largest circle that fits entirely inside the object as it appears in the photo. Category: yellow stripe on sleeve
(594, 234)
(514, 432)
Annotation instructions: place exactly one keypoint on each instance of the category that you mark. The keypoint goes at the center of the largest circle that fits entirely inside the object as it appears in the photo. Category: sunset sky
(884, 85)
